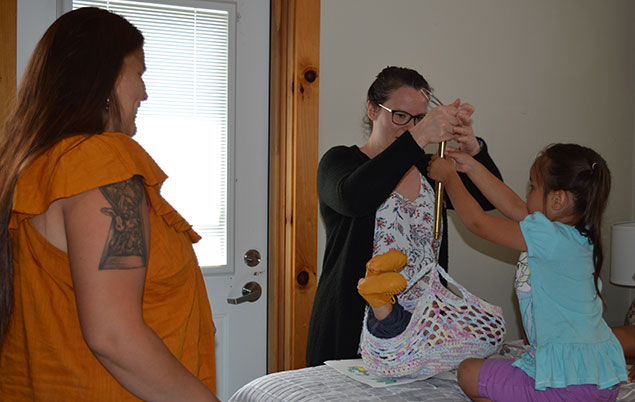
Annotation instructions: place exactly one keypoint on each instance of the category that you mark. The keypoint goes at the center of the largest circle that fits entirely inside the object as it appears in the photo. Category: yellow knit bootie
(388, 262)
(380, 289)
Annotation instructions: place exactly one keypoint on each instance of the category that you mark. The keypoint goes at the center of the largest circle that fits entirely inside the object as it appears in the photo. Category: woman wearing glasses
(377, 198)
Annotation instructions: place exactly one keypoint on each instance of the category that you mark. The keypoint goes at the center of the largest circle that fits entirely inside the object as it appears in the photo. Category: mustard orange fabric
(44, 357)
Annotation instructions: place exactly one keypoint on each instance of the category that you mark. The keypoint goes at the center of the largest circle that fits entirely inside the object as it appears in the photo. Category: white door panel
(242, 347)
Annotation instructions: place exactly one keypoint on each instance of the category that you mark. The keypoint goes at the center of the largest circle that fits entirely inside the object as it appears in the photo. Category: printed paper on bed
(354, 368)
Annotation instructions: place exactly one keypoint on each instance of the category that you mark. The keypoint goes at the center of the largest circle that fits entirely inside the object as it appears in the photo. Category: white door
(241, 324)
(241, 329)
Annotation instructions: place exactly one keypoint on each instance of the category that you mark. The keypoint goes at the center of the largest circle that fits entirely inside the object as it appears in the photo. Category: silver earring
(107, 104)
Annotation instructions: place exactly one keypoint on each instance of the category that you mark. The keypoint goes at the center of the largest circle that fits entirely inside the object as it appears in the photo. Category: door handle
(251, 292)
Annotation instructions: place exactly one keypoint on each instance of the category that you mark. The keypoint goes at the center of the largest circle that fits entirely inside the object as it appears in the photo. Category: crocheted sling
(444, 330)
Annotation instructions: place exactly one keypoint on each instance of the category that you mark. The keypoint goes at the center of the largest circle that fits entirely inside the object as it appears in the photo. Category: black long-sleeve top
(351, 187)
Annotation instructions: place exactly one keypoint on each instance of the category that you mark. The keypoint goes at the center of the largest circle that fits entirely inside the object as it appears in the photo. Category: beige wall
(537, 72)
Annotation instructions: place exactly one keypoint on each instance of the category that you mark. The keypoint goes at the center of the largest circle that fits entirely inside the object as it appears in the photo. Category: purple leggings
(500, 381)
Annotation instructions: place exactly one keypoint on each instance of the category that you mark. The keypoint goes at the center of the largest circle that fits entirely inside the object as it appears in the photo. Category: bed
(324, 383)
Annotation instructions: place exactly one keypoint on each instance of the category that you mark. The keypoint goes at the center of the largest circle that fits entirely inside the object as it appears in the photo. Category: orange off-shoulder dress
(44, 356)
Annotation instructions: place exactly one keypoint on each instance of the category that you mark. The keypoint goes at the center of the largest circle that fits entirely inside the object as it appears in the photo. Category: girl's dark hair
(67, 89)
(584, 173)
(388, 80)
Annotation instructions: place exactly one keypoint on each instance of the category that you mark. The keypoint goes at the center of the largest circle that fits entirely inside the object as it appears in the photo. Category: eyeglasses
(430, 97)
(401, 118)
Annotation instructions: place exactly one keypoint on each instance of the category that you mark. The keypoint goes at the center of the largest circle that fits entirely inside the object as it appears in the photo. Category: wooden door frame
(293, 205)
(8, 22)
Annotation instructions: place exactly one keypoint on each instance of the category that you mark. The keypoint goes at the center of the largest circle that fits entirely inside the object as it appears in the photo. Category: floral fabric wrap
(444, 330)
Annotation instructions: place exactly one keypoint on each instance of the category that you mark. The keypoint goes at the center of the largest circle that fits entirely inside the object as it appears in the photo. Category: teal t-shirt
(570, 343)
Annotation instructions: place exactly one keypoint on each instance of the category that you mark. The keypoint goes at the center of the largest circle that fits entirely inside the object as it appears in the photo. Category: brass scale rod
(438, 202)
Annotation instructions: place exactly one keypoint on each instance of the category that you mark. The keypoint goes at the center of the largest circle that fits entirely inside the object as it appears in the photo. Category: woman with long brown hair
(101, 295)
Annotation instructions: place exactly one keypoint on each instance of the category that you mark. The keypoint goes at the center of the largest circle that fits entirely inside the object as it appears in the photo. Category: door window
(189, 55)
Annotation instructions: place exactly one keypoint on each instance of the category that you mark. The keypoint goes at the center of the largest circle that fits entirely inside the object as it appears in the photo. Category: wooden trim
(8, 21)
(295, 32)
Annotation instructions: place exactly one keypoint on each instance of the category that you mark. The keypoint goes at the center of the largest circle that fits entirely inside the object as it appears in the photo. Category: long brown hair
(584, 173)
(67, 89)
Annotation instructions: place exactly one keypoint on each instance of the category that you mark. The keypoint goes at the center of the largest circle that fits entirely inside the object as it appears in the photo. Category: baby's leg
(382, 312)
(379, 290)
(382, 282)
(393, 324)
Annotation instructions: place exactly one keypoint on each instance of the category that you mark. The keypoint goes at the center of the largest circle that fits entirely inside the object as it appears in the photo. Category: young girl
(572, 354)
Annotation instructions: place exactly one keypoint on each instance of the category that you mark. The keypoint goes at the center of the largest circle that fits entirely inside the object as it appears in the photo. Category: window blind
(184, 122)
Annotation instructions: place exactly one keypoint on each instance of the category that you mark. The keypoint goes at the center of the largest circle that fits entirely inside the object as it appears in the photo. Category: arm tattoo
(126, 244)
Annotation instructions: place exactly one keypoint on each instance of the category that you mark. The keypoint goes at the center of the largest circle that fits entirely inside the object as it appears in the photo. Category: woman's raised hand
(438, 125)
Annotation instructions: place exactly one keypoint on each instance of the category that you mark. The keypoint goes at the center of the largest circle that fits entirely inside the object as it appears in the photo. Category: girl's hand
(438, 125)
(464, 133)
(440, 169)
(464, 162)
